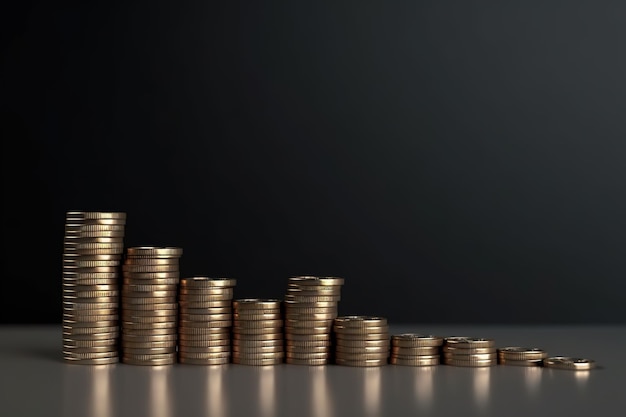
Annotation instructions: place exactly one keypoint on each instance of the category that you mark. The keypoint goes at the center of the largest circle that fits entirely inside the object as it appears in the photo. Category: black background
(455, 161)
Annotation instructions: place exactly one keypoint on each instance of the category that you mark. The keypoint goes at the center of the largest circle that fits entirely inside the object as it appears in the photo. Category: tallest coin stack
(92, 249)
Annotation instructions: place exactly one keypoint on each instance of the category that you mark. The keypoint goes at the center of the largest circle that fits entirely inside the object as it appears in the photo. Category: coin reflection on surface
(481, 385)
(215, 404)
(320, 394)
(267, 391)
(372, 390)
(160, 401)
(424, 385)
(532, 378)
(101, 390)
(581, 377)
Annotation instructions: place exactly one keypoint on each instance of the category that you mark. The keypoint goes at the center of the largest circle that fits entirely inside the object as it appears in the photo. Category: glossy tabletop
(34, 381)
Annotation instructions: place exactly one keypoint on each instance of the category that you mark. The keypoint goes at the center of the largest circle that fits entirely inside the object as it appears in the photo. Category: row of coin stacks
(92, 251)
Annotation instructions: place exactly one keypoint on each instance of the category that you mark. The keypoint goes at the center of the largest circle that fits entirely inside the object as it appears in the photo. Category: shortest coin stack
(361, 341)
(411, 349)
(569, 363)
(205, 320)
(521, 356)
(258, 332)
(469, 351)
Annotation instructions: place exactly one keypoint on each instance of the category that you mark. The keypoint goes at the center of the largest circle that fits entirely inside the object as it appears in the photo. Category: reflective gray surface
(35, 382)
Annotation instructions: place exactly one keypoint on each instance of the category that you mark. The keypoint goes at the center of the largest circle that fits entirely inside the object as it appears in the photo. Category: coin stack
(412, 349)
(93, 246)
(258, 332)
(206, 317)
(469, 351)
(310, 308)
(150, 305)
(361, 341)
(569, 363)
(521, 356)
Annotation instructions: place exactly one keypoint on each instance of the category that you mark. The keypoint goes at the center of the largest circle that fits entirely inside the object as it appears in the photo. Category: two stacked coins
(412, 349)
(205, 320)
(569, 363)
(521, 356)
(469, 351)
(310, 308)
(92, 250)
(150, 305)
(258, 332)
(361, 341)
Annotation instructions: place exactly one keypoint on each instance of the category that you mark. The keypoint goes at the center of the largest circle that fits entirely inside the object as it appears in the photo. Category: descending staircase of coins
(166, 319)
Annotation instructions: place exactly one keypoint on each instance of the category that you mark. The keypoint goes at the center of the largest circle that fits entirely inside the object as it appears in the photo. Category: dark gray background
(455, 161)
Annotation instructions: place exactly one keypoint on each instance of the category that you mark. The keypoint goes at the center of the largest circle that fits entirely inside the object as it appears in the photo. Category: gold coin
(91, 281)
(148, 319)
(91, 312)
(71, 294)
(127, 293)
(209, 361)
(130, 269)
(307, 337)
(468, 351)
(206, 282)
(361, 356)
(153, 277)
(361, 330)
(317, 289)
(308, 317)
(521, 353)
(362, 350)
(289, 309)
(198, 299)
(362, 343)
(257, 317)
(157, 312)
(152, 262)
(311, 280)
(149, 332)
(256, 303)
(90, 355)
(149, 288)
(252, 314)
(257, 362)
(79, 263)
(472, 356)
(89, 330)
(205, 355)
(468, 342)
(147, 300)
(206, 304)
(415, 340)
(113, 250)
(361, 363)
(223, 344)
(311, 292)
(265, 336)
(304, 344)
(82, 276)
(414, 361)
(84, 227)
(100, 324)
(521, 362)
(567, 362)
(312, 298)
(256, 343)
(307, 362)
(368, 336)
(308, 349)
(318, 355)
(205, 323)
(254, 324)
(360, 321)
(204, 330)
(207, 311)
(309, 323)
(258, 356)
(151, 306)
(148, 351)
(470, 363)
(204, 292)
(90, 288)
(146, 345)
(130, 325)
(204, 342)
(151, 362)
(94, 215)
(98, 361)
(244, 331)
(154, 252)
(257, 349)
(71, 343)
(307, 330)
(320, 304)
(70, 318)
(91, 336)
(413, 351)
(205, 317)
(127, 337)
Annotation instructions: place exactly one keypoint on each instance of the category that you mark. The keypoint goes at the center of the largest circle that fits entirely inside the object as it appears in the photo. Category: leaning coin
(567, 362)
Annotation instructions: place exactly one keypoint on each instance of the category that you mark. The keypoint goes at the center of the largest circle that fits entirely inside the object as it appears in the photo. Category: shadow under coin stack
(257, 332)
(310, 308)
(521, 356)
(92, 250)
(150, 305)
(469, 351)
(205, 320)
(361, 341)
(411, 349)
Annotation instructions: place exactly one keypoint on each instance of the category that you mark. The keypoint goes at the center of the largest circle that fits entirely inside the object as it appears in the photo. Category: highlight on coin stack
(469, 351)
(150, 305)
(92, 250)
(258, 332)
(413, 349)
(206, 319)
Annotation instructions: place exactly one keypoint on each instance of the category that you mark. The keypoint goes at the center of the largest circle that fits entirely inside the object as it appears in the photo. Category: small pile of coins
(469, 351)
(361, 341)
(521, 356)
(92, 249)
(206, 317)
(310, 308)
(258, 332)
(150, 305)
(412, 349)
(569, 363)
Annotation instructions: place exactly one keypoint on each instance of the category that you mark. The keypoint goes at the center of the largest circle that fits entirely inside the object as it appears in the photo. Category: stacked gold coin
(206, 317)
(361, 341)
(310, 308)
(521, 356)
(257, 332)
(569, 363)
(412, 349)
(469, 351)
(150, 305)
(93, 245)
